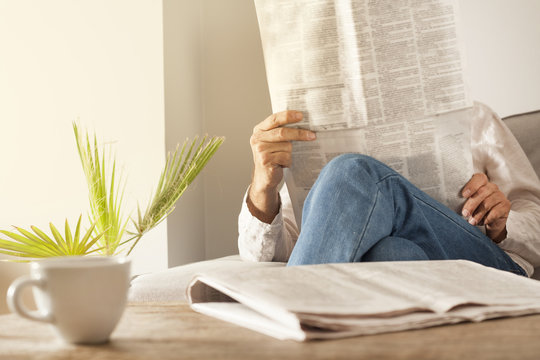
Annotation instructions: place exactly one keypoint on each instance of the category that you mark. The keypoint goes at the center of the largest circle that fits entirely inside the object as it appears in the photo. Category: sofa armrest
(526, 129)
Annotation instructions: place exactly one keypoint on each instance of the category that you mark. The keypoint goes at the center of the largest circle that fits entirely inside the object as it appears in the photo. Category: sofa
(170, 284)
(526, 129)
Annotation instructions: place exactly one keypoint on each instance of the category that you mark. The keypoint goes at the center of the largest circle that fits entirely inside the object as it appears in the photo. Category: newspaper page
(337, 300)
(382, 78)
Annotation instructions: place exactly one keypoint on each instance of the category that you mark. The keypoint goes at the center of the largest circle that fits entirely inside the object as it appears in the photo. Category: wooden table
(174, 331)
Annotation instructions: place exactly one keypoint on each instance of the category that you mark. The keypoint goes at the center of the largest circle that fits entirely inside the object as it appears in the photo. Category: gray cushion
(171, 284)
(526, 129)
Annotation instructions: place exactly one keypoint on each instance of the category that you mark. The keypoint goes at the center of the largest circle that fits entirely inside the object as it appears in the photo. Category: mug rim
(80, 261)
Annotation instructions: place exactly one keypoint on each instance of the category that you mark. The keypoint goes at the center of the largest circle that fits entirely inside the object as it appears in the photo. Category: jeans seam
(434, 208)
(355, 252)
(386, 177)
(448, 217)
(519, 272)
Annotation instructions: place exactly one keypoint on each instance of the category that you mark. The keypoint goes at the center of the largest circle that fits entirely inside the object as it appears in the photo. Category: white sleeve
(259, 241)
(497, 153)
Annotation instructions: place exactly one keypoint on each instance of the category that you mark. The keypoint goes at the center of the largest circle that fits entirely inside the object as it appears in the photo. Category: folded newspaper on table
(382, 78)
(340, 300)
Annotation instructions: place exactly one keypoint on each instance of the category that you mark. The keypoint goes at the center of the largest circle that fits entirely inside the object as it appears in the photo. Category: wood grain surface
(174, 331)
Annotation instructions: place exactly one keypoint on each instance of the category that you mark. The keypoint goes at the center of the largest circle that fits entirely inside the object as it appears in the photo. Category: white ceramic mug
(82, 297)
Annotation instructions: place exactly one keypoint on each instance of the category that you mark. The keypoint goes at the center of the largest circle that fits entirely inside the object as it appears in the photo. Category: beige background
(99, 62)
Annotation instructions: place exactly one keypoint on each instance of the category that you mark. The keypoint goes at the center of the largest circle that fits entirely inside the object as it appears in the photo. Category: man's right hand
(271, 144)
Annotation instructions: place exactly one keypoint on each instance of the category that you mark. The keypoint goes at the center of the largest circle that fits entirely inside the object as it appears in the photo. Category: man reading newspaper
(359, 209)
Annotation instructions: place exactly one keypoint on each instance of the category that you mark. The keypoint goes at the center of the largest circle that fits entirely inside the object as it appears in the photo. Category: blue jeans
(361, 210)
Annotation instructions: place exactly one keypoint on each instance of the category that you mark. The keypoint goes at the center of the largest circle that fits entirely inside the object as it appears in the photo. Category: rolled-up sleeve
(259, 241)
(497, 153)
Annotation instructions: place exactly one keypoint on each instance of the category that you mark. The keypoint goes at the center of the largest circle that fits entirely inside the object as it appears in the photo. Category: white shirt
(495, 152)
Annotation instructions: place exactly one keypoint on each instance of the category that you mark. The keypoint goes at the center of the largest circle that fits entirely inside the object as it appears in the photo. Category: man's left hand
(486, 205)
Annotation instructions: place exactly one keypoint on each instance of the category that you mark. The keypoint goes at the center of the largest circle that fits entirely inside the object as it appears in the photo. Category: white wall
(97, 61)
(235, 99)
(502, 38)
(183, 114)
(503, 53)
(215, 83)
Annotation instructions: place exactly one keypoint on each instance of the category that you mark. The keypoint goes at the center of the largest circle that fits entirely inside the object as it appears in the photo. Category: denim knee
(348, 164)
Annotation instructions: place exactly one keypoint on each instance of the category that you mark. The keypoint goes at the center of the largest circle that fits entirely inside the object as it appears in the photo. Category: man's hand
(271, 145)
(486, 205)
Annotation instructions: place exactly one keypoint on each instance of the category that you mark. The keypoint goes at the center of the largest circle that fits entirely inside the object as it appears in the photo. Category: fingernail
(299, 116)
(466, 193)
(472, 221)
(465, 213)
(311, 136)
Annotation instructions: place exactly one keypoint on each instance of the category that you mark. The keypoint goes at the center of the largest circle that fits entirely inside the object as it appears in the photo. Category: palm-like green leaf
(108, 226)
(105, 197)
(180, 170)
(28, 245)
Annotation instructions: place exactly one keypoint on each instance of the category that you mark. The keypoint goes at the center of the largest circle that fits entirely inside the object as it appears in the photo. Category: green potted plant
(109, 232)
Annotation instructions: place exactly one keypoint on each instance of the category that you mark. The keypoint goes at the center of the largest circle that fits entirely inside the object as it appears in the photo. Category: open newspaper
(382, 78)
(340, 300)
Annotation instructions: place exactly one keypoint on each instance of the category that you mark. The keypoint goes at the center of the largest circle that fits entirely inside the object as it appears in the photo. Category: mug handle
(14, 299)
